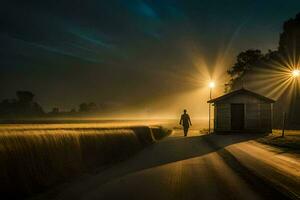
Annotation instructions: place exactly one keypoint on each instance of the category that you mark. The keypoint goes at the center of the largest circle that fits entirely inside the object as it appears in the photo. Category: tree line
(24, 105)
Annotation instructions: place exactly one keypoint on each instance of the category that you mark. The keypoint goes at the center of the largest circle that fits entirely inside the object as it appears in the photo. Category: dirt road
(195, 167)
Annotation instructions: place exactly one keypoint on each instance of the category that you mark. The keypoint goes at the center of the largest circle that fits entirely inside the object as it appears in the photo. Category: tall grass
(32, 160)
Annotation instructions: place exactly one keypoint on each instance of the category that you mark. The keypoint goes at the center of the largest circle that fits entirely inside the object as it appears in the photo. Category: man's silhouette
(185, 121)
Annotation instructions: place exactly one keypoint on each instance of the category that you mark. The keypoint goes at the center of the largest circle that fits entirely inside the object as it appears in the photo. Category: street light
(295, 73)
(211, 85)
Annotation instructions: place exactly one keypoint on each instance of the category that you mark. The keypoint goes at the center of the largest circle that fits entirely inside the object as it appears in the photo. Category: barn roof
(241, 91)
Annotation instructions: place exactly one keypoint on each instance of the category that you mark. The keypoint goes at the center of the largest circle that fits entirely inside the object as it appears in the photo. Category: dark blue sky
(126, 51)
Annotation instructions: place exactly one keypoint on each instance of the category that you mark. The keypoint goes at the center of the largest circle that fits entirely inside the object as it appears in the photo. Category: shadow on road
(180, 148)
(171, 150)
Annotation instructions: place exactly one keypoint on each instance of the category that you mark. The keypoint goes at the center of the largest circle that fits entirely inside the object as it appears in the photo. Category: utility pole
(211, 86)
(209, 105)
(283, 124)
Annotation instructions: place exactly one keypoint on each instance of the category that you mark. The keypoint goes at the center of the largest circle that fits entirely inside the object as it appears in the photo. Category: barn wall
(266, 116)
(252, 116)
(223, 119)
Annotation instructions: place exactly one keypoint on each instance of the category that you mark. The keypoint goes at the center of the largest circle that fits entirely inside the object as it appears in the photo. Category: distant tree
(245, 62)
(7, 106)
(83, 107)
(92, 107)
(22, 106)
(25, 96)
(55, 110)
(88, 107)
(37, 109)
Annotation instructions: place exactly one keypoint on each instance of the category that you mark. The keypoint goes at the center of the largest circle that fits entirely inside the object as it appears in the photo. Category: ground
(199, 166)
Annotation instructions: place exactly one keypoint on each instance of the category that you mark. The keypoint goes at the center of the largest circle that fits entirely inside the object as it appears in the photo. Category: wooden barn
(242, 111)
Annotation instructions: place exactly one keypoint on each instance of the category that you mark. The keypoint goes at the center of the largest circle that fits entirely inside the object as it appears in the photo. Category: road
(195, 167)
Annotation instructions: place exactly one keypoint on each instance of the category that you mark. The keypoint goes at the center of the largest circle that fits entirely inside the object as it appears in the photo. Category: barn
(242, 111)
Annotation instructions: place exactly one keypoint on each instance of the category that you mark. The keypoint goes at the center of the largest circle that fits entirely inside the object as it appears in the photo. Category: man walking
(185, 121)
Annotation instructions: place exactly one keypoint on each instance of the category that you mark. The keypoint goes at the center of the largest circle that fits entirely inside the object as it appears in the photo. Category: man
(185, 121)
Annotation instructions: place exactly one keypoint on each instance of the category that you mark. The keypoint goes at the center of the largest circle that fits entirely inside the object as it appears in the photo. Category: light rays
(278, 78)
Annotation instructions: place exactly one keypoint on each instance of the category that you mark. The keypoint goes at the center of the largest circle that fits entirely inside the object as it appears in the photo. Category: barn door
(237, 116)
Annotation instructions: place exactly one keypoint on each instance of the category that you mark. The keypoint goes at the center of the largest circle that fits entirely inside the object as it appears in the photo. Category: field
(34, 157)
(291, 140)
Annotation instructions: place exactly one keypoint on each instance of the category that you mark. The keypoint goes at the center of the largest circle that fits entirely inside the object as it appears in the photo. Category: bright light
(296, 73)
(211, 84)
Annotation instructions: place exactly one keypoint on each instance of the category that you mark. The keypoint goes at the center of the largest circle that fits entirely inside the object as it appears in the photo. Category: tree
(88, 107)
(25, 96)
(289, 42)
(22, 106)
(55, 110)
(83, 107)
(245, 62)
(92, 107)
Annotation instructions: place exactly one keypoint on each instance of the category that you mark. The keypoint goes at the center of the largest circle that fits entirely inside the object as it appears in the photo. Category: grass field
(291, 139)
(34, 157)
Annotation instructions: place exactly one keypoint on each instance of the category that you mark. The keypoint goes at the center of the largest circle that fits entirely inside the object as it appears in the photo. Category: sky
(150, 58)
